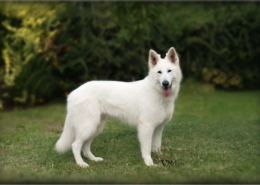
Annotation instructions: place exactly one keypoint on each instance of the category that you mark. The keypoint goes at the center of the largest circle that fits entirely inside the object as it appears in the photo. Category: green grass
(213, 137)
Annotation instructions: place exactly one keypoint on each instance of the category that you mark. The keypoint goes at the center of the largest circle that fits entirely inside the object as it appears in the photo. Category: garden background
(48, 49)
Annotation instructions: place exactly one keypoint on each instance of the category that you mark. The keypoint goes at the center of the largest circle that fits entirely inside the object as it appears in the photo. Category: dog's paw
(83, 164)
(157, 151)
(96, 159)
(148, 161)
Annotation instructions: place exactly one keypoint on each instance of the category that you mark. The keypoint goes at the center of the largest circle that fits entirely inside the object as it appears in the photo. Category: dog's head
(165, 73)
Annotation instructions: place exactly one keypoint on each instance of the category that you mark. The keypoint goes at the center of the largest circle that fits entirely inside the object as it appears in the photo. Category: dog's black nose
(165, 83)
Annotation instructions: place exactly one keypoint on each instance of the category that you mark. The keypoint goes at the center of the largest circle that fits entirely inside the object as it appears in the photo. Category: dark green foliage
(2, 33)
(49, 49)
(224, 50)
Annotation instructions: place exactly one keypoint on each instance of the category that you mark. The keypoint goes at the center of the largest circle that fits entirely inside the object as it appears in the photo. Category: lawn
(213, 138)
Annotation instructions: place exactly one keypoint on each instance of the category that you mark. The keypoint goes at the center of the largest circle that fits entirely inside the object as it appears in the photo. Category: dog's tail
(66, 139)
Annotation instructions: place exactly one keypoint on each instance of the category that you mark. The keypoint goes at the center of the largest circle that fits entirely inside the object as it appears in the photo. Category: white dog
(147, 104)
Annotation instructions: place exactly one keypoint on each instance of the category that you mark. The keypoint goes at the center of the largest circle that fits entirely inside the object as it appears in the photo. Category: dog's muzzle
(165, 84)
(166, 91)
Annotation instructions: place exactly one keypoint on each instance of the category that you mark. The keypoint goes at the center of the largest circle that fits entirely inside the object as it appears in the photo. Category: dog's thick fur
(147, 104)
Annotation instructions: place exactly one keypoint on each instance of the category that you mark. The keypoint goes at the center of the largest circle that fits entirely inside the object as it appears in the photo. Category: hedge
(48, 49)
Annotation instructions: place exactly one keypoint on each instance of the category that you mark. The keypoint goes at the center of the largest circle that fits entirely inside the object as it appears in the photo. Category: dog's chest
(168, 110)
(161, 113)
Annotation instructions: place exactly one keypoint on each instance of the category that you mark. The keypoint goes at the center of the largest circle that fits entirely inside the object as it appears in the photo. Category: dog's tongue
(166, 92)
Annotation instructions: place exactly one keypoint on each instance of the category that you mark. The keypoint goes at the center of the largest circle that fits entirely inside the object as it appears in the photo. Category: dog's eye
(169, 71)
(159, 72)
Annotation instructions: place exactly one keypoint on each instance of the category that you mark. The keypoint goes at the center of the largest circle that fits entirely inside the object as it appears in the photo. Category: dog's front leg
(157, 139)
(145, 135)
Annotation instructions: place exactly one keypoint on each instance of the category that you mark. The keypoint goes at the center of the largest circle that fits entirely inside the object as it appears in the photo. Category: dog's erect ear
(153, 58)
(172, 56)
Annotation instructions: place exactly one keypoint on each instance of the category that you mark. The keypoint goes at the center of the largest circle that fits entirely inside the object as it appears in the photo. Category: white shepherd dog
(148, 104)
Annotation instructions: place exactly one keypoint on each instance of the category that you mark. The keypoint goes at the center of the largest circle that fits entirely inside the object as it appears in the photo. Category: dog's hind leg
(83, 134)
(86, 147)
(86, 126)
(76, 148)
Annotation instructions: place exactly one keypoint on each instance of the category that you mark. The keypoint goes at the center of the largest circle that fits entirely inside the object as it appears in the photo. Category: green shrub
(220, 44)
(28, 52)
(48, 49)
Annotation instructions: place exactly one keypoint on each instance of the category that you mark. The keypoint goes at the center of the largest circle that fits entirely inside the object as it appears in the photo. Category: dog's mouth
(166, 91)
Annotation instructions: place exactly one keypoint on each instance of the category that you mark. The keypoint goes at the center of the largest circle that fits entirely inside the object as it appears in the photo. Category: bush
(223, 50)
(48, 49)
(28, 52)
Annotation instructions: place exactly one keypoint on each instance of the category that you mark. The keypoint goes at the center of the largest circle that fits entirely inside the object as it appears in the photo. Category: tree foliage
(48, 49)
